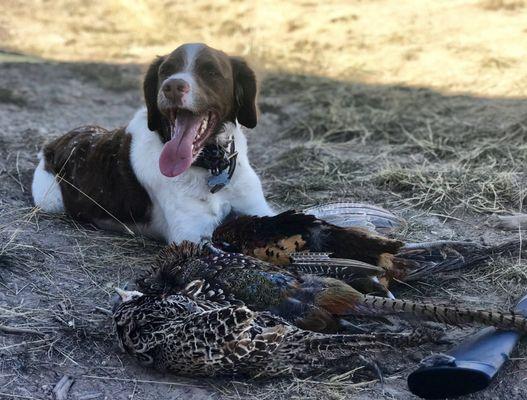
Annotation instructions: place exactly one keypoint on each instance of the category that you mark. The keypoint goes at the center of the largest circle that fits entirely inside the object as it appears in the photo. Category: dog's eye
(210, 69)
(169, 68)
(164, 70)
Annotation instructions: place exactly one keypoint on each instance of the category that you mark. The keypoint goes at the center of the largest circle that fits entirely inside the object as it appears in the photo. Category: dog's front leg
(249, 198)
(179, 235)
(192, 223)
(191, 229)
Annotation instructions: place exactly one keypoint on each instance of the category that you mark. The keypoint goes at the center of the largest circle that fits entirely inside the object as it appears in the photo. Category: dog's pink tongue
(176, 156)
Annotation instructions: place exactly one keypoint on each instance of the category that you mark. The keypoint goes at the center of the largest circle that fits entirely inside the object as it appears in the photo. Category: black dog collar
(220, 160)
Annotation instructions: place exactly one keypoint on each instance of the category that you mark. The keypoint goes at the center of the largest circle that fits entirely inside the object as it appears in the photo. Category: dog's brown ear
(244, 93)
(150, 90)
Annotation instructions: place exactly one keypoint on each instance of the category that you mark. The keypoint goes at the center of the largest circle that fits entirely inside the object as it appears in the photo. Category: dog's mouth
(189, 132)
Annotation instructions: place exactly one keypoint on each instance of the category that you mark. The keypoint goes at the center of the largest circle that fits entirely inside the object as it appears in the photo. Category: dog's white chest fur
(183, 207)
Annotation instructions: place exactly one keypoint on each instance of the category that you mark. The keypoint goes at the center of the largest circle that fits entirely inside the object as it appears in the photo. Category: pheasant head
(169, 272)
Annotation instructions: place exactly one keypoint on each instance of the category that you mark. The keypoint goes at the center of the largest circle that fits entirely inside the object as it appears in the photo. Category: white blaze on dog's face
(190, 94)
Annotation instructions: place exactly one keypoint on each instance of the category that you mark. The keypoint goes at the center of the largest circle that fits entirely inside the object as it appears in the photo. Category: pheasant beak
(127, 295)
(213, 249)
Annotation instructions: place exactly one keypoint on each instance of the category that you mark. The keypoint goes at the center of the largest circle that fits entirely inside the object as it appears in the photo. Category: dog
(156, 176)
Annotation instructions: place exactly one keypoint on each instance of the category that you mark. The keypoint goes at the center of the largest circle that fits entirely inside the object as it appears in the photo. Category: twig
(126, 228)
(452, 217)
(345, 375)
(508, 222)
(133, 391)
(61, 389)
(23, 344)
(347, 384)
(18, 172)
(14, 329)
(17, 396)
(141, 381)
(104, 311)
(89, 396)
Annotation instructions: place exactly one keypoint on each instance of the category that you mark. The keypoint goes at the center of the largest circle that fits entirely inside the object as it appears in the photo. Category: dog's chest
(192, 195)
(184, 206)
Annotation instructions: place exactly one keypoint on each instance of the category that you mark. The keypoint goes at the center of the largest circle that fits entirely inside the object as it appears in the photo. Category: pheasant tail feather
(449, 315)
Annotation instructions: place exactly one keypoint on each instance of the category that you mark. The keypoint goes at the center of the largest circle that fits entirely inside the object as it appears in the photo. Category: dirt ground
(417, 106)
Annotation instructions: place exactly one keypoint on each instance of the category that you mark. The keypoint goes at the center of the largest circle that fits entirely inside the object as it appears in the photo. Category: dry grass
(444, 45)
(340, 387)
(360, 101)
(436, 152)
(479, 189)
(315, 174)
(507, 5)
(439, 126)
(61, 296)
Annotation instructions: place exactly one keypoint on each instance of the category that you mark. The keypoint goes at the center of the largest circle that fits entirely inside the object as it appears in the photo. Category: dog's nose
(174, 89)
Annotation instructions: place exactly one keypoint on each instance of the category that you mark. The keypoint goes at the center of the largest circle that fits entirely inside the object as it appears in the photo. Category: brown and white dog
(143, 176)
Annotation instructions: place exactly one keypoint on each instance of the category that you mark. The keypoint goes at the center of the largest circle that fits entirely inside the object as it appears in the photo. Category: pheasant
(274, 238)
(182, 334)
(283, 239)
(310, 302)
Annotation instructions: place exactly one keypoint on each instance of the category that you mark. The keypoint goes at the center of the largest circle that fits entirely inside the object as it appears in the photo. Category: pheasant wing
(357, 215)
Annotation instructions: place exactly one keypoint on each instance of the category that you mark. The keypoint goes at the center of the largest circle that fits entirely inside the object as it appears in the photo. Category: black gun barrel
(467, 368)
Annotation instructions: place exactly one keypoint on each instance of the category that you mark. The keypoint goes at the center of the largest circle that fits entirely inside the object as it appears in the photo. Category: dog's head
(189, 95)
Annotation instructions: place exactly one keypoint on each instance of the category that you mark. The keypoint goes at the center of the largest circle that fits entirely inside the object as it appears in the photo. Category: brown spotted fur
(95, 176)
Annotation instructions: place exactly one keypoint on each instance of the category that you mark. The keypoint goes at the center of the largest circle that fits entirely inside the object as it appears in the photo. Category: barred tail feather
(449, 315)
(322, 264)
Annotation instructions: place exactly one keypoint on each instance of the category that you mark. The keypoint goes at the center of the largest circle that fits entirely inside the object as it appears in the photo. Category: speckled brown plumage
(186, 336)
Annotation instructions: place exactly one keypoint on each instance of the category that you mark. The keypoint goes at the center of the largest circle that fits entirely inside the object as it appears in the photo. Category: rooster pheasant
(282, 239)
(310, 302)
(182, 334)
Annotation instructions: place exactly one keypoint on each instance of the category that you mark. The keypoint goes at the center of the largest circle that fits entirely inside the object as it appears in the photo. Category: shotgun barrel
(469, 367)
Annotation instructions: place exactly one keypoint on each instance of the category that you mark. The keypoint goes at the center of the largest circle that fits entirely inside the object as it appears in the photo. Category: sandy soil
(347, 112)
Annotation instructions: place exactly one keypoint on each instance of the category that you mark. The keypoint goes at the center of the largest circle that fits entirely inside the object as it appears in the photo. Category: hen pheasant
(188, 336)
(310, 302)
